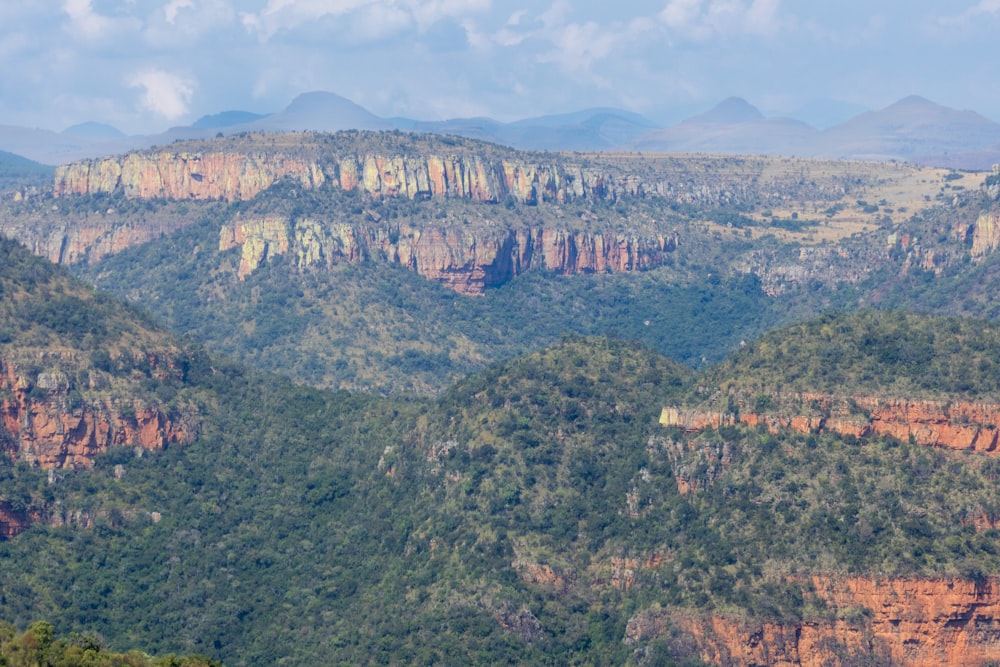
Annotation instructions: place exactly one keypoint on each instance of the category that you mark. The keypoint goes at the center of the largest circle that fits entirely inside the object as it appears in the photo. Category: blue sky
(144, 65)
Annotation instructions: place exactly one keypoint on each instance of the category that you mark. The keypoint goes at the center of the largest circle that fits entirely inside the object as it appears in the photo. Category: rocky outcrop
(64, 234)
(465, 261)
(423, 167)
(46, 420)
(84, 242)
(898, 621)
(241, 176)
(985, 234)
(209, 175)
(964, 426)
(13, 521)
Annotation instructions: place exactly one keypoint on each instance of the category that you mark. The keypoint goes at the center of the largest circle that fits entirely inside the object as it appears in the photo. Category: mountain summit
(323, 112)
(914, 129)
(730, 110)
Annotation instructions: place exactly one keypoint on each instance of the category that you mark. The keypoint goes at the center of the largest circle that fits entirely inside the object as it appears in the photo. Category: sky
(146, 65)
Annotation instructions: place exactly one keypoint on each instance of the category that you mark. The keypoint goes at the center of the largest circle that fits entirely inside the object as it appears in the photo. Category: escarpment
(954, 425)
(240, 177)
(897, 621)
(62, 419)
(463, 260)
(581, 216)
(466, 260)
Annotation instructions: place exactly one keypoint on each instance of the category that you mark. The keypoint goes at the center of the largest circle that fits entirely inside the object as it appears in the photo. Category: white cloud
(367, 19)
(86, 23)
(681, 14)
(171, 9)
(377, 21)
(164, 93)
(577, 47)
(84, 20)
(701, 19)
(762, 17)
(179, 24)
(984, 7)
(430, 12)
(515, 18)
(981, 8)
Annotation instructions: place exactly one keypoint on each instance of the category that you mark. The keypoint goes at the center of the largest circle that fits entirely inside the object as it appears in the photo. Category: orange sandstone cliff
(955, 425)
(241, 176)
(48, 421)
(386, 165)
(465, 261)
(898, 621)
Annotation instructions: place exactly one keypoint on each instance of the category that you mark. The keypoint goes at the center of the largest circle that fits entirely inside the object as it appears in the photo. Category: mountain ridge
(911, 129)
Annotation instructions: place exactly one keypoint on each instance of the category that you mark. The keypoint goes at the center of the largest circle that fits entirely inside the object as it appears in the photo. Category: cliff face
(12, 521)
(46, 421)
(239, 177)
(985, 234)
(463, 260)
(87, 241)
(965, 426)
(64, 234)
(467, 262)
(229, 176)
(891, 621)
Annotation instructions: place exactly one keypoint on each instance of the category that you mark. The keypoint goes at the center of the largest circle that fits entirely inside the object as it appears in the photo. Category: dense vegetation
(100, 349)
(494, 523)
(38, 646)
(522, 514)
(876, 353)
(17, 171)
(42, 306)
(375, 326)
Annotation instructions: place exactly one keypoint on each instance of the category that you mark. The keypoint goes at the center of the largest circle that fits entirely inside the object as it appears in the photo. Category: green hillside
(496, 522)
(81, 351)
(39, 645)
(873, 352)
(43, 306)
(17, 171)
(377, 327)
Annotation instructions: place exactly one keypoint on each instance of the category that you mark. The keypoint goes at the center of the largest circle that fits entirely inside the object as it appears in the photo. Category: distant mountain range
(914, 129)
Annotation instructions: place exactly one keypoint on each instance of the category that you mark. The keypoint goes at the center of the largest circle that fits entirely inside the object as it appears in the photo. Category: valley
(378, 398)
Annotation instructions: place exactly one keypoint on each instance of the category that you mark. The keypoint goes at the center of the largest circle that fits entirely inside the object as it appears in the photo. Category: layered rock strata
(965, 426)
(46, 421)
(239, 177)
(897, 621)
(985, 234)
(464, 261)
(212, 175)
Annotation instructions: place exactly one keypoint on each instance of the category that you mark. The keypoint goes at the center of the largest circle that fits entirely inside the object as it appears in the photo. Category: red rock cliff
(465, 261)
(241, 176)
(965, 426)
(12, 521)
(41, 424)
(229, 176)
(921, 623)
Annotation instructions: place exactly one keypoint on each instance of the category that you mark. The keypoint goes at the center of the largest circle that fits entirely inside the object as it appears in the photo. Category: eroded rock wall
(985, 234)
(892, 621)
(46, 421)
(210, 175)
(240, 176)
(965, 426)
(463, 260)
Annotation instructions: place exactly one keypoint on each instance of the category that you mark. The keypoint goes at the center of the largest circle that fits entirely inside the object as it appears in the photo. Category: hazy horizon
(143, 66)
